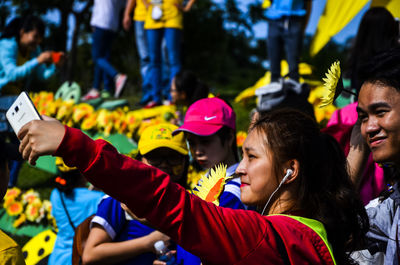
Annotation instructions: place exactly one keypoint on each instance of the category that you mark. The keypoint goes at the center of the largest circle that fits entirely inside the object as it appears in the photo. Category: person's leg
(6, 132)
(274, 49)
(109, 72)
(14, 167)
(96, 47)
(293, 38)
(154, 38)
(165, 68)
(143, 51)
(173, 42)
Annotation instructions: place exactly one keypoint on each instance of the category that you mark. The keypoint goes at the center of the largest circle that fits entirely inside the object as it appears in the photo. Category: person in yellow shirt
(10, 253)
(164, 19)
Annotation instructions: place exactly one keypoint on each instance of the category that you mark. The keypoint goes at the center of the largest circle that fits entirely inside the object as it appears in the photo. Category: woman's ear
(294, 166)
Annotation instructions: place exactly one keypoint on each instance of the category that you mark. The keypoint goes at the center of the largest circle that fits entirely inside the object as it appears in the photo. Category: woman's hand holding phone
(40, 137)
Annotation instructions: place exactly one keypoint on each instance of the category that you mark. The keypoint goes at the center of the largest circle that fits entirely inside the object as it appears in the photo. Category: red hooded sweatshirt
(217, 235)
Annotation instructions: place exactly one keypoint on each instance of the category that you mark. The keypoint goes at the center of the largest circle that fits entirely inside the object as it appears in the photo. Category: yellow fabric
(160, 135)
(172, 17)
(392, 5)
(10, 253)
(140, 11)
(337, 14)
(14, 88)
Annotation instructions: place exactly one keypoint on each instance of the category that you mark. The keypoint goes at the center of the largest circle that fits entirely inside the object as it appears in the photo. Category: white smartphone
(21, 112)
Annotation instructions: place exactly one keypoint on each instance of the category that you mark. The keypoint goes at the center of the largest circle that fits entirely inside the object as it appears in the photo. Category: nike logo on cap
(209, 118)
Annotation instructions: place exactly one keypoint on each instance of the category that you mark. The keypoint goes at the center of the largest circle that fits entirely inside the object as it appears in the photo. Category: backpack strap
(66, 211)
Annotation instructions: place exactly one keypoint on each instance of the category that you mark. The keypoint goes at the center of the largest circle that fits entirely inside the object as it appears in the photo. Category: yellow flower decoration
(47, 205)
(30, 196)
(8, 201)
(210, 187)
(266, 4)
(194, 176)
(15, 208)
(240, 137)
(62, 166)
(21, 219)
(331, 82)
(32, 212)
(12, 193)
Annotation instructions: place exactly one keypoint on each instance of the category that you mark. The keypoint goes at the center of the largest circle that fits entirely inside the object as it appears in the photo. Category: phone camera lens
(16, 109)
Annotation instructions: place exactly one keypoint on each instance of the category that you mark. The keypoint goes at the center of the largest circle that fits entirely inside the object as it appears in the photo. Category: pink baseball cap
(206, 116)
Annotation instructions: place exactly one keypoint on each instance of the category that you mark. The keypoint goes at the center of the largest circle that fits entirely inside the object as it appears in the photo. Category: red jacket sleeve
(217, 235)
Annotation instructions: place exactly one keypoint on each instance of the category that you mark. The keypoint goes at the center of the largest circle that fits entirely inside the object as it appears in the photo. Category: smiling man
(379, 116)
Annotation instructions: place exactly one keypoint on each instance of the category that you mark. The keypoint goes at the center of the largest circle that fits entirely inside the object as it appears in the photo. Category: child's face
(4, 178)
(167, 160)
(176, 96)
(208, 150)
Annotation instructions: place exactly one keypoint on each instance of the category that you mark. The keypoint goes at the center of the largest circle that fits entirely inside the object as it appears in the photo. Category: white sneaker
(120, 81)
(92, 94)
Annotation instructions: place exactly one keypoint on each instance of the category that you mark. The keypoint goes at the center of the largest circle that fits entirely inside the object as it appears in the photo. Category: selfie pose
(309, 212)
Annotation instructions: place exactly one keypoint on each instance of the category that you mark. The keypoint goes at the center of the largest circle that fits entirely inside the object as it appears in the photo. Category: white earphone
(289, 172)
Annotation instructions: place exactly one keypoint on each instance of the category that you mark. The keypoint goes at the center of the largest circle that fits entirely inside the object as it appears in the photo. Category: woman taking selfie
(296, 176)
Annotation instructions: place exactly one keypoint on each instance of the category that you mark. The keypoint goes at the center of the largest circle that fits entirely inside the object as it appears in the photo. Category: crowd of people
(295, 193)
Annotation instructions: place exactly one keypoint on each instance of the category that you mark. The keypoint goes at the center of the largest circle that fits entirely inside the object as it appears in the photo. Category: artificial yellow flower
(8, 201)
(331, 82)
(240, 137)
(90, 122)
(65, 111)
(82, 111)
(47, 205)
(32, 212)
(62, 166)
(30, 196)
(21, 219)
(15, 208)
(266, 4)
(211, 186)
(12, 193)
(194, 176)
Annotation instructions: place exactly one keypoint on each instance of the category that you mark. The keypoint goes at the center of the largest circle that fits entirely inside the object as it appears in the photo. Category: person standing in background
(378, 32)
(105, 22)
(286, 21)
(139, 16)
(164, 19)
(21, 61)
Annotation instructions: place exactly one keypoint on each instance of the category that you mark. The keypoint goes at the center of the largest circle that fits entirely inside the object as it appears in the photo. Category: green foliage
(32, 178)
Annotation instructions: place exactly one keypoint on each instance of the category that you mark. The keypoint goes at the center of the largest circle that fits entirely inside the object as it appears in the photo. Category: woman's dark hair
(27, 24)
(383, 68)
(188, 82)
(378, 31)
(224, 134)
(325, 191)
